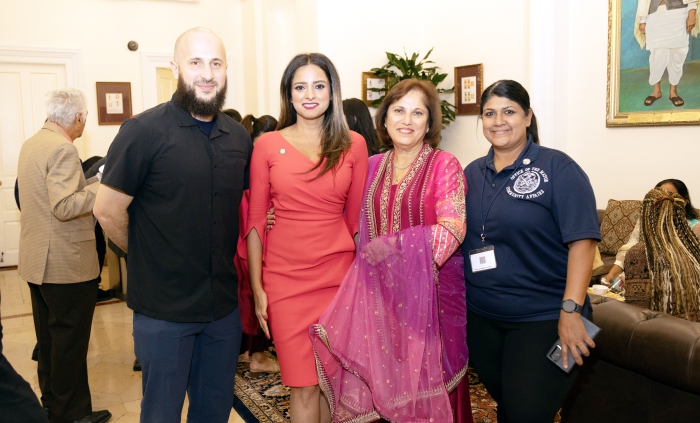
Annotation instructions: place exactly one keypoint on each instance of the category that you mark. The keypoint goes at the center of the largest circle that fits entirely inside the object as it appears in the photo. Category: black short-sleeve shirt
(183, 220)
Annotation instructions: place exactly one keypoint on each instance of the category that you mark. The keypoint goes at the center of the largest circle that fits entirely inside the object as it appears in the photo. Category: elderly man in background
(173, 180)
(664, 25)
(57, 256)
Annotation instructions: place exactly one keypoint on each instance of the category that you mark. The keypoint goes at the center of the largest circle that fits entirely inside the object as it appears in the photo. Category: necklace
(401, 168)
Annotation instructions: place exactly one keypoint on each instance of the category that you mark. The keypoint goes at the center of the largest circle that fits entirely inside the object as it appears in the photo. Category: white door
(166, 84)
(23, 87)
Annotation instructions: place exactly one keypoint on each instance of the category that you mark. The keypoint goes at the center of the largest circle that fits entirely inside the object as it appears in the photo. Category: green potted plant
(403, 67)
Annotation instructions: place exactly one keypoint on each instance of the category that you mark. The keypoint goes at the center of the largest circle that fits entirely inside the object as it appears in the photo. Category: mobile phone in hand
(554, 354)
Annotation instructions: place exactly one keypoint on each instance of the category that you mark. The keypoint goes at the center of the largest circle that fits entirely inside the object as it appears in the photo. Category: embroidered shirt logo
(527, 182)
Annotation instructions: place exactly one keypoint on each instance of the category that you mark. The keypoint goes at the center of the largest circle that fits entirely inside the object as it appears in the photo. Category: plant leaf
(406, 67)
(438, 78)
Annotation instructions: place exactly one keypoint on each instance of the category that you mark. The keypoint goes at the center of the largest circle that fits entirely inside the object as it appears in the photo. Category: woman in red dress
(312, 171)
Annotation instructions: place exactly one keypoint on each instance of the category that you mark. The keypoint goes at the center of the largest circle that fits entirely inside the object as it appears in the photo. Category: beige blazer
(57, 238)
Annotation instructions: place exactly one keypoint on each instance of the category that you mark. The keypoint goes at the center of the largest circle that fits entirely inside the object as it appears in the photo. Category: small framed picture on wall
(113, 102)
(469, 84)
(373, 87)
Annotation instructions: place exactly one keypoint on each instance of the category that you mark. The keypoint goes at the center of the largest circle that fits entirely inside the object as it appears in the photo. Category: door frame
(70, 58)
(149, 63)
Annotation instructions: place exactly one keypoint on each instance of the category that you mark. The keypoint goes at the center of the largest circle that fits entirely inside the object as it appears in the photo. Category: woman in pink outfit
(392, 344)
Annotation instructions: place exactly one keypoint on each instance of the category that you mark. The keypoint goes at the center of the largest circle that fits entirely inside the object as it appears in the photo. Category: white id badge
(482, 259)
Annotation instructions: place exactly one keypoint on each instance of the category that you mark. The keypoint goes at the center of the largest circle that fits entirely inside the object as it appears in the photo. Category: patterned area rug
(263, 399)
(260, 397)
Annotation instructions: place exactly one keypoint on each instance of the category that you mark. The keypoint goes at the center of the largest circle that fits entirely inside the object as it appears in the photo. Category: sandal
(677, 101)
(275, 368)
(650, 100)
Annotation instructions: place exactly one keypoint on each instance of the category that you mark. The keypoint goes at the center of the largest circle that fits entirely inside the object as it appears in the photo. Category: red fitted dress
(310, 248)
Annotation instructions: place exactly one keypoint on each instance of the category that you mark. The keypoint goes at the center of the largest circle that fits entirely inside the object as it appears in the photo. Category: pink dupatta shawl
(392, 343)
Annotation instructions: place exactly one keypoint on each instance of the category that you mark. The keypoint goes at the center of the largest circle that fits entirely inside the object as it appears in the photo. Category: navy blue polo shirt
(540, 203)
(183, 221)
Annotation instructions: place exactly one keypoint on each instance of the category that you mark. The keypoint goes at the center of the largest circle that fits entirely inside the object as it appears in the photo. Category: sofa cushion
(661, 347)
(637, 278)
(617, 224)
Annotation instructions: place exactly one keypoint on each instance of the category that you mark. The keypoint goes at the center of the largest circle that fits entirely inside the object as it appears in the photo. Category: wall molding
(71, 58)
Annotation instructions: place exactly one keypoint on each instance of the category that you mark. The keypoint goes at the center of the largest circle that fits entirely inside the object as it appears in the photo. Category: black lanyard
(483, 186)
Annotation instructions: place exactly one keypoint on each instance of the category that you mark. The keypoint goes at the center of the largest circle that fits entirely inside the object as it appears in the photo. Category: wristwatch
(570, 306)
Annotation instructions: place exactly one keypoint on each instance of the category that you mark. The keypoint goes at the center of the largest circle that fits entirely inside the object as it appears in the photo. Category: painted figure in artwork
(662, 26)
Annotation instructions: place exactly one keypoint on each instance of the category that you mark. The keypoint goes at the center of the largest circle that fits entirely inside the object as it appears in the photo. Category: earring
(427, 130)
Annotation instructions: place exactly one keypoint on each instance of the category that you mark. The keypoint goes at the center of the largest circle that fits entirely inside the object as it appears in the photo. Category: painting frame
(469, 85)
(670, 116)
(113, 102)
(370, 92)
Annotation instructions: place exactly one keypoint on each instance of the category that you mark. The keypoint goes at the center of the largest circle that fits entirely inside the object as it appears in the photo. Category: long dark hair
(258, 126)
(513, 91)
(690, 212)
(360, 121)
(233, 114)
(335, 136)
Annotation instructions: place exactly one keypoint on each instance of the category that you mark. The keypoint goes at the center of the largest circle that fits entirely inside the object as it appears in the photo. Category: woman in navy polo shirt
(532, 229)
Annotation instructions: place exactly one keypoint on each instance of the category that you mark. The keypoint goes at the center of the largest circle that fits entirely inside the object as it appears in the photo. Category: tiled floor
(113, 383)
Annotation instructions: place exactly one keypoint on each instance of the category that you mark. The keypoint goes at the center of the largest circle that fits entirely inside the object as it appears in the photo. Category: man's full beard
(186, 97)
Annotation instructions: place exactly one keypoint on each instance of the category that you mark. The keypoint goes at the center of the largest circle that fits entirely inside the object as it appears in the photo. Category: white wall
(101, 29)
(356, 35)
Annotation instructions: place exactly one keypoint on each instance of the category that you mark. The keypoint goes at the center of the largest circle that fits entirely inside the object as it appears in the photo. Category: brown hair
(673, 255)
(335, 135)
(432, 103)
(258, 126)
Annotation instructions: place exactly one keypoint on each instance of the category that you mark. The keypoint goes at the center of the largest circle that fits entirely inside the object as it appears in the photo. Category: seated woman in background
(254, 341)
(671, 185)
(359, 120)
(673, 254)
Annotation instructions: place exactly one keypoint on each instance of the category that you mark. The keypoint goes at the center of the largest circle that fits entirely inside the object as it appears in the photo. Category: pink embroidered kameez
(392, 343)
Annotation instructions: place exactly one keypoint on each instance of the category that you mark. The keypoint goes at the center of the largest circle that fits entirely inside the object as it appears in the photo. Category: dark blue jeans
(199, 358)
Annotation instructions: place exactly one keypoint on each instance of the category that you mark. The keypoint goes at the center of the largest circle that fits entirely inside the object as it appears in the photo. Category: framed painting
(373, 88)
(469, 84)
(113, 102)
(650, 83)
